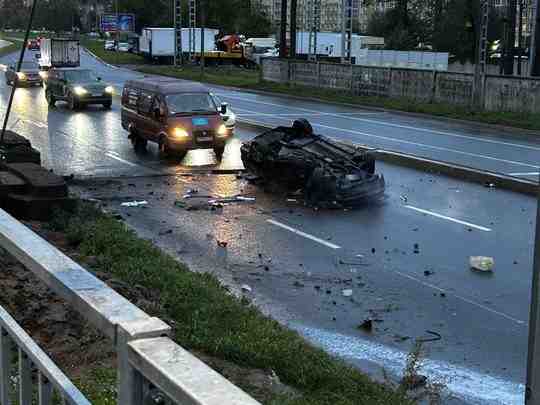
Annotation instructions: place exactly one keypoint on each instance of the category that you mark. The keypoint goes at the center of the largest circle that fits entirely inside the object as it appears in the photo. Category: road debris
(366, 326)
(134, 203)
(403, 198)
(482, 263)
(167, 232)
(428, 273)
(435, 337)
(228, 200)
(221, 244)
(246, 288)
(416, 248)
(298, 284)
(329, 173)
(347, 293)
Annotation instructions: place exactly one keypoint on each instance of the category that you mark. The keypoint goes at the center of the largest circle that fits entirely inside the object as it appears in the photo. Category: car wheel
(73, 103)
(107, 105)
(219, 152)
(137, 142)
(50, 98)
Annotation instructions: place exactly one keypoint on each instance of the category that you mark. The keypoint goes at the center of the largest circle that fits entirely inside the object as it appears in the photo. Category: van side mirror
(223, 108)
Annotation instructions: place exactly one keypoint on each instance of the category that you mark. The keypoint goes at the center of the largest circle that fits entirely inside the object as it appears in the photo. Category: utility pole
(283, 30)
(314, 20)
(192, 29)
(520, 37)
(292, 52)
(346, 30)
(480, 70)
(510, 38)
(534, 57)
(117, 31)
(177, 15)
(203, 22)
(16, 83)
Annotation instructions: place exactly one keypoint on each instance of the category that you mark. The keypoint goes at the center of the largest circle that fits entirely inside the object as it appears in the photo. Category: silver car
(28, 75)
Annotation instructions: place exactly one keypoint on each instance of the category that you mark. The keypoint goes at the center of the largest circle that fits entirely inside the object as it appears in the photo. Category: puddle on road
(468, 385)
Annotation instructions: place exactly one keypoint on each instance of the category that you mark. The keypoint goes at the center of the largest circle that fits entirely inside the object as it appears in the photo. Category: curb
(464, 173)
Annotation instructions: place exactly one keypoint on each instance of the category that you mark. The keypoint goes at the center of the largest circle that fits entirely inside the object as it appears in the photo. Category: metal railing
(146, 358)
(30, 356)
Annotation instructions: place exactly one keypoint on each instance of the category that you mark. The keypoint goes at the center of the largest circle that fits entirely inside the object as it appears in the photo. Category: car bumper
(191, 143)
(30, 82)
(94, 99)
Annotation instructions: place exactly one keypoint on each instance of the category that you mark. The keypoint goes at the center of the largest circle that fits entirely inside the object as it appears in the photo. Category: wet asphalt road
(482, 318)
(514, 153)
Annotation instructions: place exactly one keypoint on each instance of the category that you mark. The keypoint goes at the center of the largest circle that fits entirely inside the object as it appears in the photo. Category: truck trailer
(158, 43)
(56, 52)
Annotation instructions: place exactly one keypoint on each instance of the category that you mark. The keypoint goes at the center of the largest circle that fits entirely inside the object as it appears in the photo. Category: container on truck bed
(59, 53)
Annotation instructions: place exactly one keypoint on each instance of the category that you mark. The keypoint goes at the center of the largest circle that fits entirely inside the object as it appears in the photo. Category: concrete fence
(501, 93)
(149, 362)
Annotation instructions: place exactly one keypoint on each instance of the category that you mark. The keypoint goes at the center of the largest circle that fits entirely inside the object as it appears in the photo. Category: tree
(13, 14)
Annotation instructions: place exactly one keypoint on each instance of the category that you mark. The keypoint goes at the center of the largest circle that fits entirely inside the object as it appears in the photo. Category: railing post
(129, 380)
(25, 379)
(45, 390)
(5, 367)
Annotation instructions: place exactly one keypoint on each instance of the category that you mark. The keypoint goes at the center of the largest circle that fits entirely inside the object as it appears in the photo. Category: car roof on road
(167, 86)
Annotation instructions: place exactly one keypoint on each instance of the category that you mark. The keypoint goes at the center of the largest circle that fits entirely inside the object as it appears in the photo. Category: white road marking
(536, 148)
(457, 221)
(113, 155)
(310, 114)
(303, 234)
(407, 142)
(466, 384)
(524, 174)
(467, 300)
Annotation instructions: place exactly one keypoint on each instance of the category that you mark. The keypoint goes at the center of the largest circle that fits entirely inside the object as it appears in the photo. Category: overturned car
(328, 172)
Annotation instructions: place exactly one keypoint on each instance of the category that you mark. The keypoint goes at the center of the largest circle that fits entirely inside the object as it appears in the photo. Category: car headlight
(109, 89)
(21, 76)
(80, 91)
(43, 75)
(222, 130)
(180, 133)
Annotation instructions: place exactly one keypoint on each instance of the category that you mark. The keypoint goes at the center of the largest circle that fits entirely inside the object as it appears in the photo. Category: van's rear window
(190, 103)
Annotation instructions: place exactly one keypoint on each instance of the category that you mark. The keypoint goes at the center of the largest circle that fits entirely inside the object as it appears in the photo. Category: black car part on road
(330, 173)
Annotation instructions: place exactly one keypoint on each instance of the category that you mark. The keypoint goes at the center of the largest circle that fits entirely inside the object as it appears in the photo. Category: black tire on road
(219, 152)
(73, 103)
(139, 144)
(50, 98)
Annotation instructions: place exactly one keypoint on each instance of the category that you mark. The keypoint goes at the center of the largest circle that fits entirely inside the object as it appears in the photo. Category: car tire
(139, 144)
(50, 98)
(219, 152)
(107, 105)
(73, 103)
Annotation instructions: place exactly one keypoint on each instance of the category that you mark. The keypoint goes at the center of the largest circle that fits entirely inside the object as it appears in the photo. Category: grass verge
(116, 58)
(209, 320)
(13, 47)
(250, 80)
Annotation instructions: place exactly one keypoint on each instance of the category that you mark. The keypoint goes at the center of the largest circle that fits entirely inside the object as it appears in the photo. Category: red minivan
(177, 116)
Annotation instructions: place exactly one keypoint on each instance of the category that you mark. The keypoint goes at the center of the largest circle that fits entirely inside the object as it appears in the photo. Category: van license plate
(204, 138)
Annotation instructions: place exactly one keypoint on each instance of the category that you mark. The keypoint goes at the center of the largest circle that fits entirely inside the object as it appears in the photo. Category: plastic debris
(347, 293)
(482, 263)
(222, 244)
(246, 288)
(234, 199)
(403, 198)
(134, 203)
(428, 273)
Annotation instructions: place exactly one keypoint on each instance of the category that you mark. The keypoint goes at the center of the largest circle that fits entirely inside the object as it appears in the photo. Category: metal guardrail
(49, 377)
(147, 358)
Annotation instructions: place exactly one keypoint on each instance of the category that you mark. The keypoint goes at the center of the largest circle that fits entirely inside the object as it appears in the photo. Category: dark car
(179, 117)
(28, 75)
(79, 87)
(329, 173)
(33, 45)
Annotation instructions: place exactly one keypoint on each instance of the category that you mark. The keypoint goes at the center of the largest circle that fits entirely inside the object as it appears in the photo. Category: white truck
(59, 53)
(158, 43)
(329, 44)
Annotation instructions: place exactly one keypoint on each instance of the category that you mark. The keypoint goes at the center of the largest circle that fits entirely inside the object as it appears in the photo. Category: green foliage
(444, 26)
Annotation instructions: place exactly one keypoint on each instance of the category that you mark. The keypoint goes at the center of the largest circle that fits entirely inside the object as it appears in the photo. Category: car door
(144, 115)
